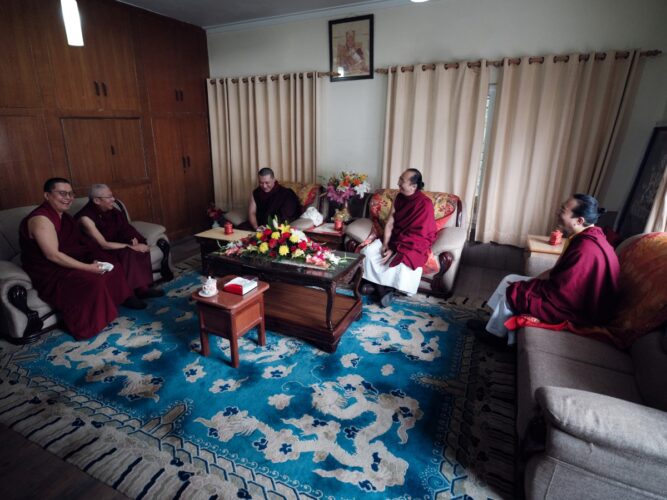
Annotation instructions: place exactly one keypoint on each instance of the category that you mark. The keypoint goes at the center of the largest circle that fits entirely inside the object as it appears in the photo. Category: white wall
(453, 30)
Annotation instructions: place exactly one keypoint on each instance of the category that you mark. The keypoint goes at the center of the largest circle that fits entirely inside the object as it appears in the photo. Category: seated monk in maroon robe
(409, 233)
(109, 227)
(581, 288)
(270, 199)
(65, 268)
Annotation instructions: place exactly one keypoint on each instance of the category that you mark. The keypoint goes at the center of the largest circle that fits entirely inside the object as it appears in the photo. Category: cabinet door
(74, 82)
(157, 53)
(170, 165)
(198, 174)
(192, 70)
(111, 53)
(25, 160)
(128, 161)
(18, 82)
(88, 145)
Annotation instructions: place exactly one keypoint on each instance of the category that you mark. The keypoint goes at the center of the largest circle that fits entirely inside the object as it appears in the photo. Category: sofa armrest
(605, 421)
(236, 217)
(449, 239)
(11, 274)
(359, 230)
(152, 232)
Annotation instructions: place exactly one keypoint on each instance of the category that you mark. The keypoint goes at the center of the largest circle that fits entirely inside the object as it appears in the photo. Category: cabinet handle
(113, 150)
(181, 92)
(104, 89)
(183, 159)
(176, 93)
(188, 157)
(97, 88)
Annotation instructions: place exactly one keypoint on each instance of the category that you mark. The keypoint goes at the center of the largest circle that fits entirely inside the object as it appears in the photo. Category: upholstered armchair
(310, 195)
(440, 272)
(23, 315)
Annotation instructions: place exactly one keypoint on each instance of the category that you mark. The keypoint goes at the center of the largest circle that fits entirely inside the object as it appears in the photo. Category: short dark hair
(263, 172)
(416, 178)
(51, 183)
(587, 207)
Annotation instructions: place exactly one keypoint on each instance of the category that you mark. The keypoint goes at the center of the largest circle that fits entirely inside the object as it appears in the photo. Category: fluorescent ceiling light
(72, 22)
(418, 1)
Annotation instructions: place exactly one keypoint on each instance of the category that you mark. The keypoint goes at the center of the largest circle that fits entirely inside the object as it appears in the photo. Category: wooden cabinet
(106, 150)
(184, 172)
(101, 75)
(25, 160)
(175, 64)
(18, 79)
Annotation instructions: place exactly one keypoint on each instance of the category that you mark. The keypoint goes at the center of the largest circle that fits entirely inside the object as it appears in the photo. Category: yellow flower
(275, 235)
(283, 250)
(297, 253)
(263, 247)
(259, 235)
(284, 228)
(294, 238)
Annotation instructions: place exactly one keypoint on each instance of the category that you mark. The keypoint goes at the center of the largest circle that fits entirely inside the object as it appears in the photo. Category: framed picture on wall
(351, 48)
(638, 205)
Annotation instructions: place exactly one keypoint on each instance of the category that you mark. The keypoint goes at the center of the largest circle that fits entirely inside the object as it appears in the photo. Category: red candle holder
(229, 228)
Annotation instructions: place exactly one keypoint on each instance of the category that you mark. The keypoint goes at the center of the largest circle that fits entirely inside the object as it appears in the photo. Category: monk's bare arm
(91, 230)
(388, 229)
(42, 230)
(252, 212)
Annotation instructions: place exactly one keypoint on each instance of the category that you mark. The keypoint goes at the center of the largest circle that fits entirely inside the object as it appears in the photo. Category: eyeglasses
(106, 197)
(64, 194)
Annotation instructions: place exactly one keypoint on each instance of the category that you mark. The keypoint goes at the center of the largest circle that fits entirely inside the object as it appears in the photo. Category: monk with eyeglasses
(66, 267)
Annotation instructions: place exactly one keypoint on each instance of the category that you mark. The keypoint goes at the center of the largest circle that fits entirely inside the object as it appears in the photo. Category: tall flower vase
(215, 224)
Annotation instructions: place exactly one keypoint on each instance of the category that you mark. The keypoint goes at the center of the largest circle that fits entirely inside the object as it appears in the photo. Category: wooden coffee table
(231, 316)
(302, 301)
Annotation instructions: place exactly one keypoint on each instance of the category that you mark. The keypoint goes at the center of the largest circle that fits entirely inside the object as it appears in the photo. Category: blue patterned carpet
(408, 406)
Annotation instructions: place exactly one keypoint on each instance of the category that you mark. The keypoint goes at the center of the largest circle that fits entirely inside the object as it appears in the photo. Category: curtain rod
(517, 60)
(320, 74)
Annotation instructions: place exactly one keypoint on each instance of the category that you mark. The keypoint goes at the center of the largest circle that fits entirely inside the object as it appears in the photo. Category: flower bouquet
(280, 241)
(346, 185)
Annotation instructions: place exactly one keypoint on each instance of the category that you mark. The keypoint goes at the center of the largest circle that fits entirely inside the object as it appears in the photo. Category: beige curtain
(262, 122)
(554, 128)
(657, 219)
(435, 122)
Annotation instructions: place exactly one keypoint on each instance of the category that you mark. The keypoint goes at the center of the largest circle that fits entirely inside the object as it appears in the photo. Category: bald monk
(395, 263)
(269, 199)
(65, 268)
(109, 227)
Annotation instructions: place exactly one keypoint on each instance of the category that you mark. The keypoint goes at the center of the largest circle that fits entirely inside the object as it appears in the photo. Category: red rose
(267, 232)
(273, 243)
(303, 245)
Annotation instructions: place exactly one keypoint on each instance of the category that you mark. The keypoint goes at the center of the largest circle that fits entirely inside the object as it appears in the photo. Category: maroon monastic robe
(113, 225)
(414, 230)
(581, 287)
(280, 202)
(86, 301)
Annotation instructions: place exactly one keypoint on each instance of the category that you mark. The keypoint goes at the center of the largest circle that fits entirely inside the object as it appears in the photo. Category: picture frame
(640, 200)
(351, 48)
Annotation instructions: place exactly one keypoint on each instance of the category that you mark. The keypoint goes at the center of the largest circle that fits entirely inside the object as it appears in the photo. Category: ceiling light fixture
(418, 1)
(72, 22)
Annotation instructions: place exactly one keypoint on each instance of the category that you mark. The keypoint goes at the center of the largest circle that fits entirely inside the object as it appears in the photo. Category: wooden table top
(540, 244)
(218, 233)
(226, 300)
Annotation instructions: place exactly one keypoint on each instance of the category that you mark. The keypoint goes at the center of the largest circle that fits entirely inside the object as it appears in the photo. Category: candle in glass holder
(338, 224)
(556, 238)
(229, 229)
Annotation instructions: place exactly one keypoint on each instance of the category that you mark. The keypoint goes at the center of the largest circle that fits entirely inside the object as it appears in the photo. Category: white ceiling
(213, 13)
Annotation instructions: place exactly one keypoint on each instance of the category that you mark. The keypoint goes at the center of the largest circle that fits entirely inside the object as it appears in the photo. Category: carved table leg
(331, 293)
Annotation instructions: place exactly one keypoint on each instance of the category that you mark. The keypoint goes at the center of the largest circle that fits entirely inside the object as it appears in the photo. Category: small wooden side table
(327, 235)
(540, 254)
(231, 316)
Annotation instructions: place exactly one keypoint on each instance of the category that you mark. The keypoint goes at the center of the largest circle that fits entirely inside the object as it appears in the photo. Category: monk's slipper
(150, 293)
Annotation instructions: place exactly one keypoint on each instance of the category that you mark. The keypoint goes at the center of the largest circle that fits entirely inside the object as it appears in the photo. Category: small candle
(229, 229)
(338, 224)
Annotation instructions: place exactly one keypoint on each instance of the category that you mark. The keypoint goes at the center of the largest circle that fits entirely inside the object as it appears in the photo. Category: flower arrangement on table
(214, 214)
(280, 241)
(346, 185)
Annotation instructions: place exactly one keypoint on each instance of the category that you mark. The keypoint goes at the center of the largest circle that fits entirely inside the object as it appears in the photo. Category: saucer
(202, 294)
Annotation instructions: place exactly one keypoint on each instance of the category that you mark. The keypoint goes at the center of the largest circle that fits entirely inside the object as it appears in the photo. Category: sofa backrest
(10, 220)
(448, 208)
(649, 356)
(308, 194)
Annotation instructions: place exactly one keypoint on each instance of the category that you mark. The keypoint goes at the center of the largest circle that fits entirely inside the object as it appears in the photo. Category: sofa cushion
(537, 368)
(649, 354)
(307, 193)
(576, 348)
